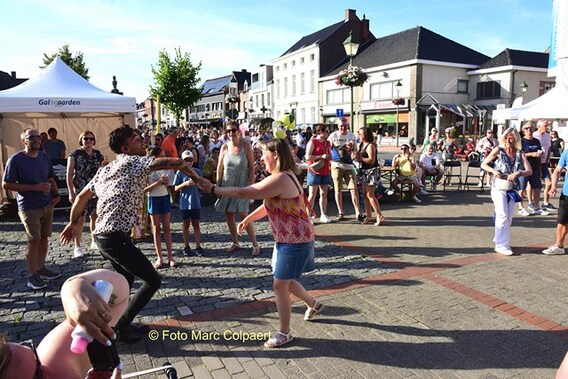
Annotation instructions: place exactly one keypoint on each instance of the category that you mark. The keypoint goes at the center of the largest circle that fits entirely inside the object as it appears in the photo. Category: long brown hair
(285, 160)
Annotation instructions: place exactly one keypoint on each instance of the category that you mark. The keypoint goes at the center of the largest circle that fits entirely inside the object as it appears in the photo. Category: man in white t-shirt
(342, 169)
(429, 166)
(545, 139)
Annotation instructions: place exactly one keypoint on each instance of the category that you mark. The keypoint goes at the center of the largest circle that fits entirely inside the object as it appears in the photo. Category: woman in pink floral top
(286, 208)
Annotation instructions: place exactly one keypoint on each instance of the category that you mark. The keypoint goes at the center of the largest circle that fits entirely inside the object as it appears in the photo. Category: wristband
(213, 189)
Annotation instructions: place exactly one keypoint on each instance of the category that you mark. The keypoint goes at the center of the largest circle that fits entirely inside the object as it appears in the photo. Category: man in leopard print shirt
(119, 187)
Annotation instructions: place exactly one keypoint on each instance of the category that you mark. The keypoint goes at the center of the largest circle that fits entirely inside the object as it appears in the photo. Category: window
(545, 87)
(278, 88)
(293, 85)
(336, 96)
(312, 81)
(285, 66)
(268, 99)
(303, 113)
(277, 68)
(462, 86)
(302, 60)
(293, 63)
(285, 87)
(312, 115)
(302, 83)
(312, 57)
(488, 90)
(382, 91)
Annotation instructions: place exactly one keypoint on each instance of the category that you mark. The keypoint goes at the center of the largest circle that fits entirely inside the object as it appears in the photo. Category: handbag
(503, 184)
(317, 165)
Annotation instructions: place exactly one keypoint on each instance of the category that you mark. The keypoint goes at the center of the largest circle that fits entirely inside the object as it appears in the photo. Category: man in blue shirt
(30, 174)
(54, 147)
(562, 217)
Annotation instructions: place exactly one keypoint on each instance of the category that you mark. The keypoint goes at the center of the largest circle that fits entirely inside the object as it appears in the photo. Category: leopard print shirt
(120, 189)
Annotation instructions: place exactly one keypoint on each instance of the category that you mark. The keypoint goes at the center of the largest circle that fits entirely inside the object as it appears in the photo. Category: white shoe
(553, 250)
(78, 252)
(503, 250)
(324, 219)
(390, 192)
(94, 246)
(523, 212)
(540, 212)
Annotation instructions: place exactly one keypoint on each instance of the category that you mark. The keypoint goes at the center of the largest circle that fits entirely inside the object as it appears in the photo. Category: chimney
(364, 29)
(13, 74)
(350, 14)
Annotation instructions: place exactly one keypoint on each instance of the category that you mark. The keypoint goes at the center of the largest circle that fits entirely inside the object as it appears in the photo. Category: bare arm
(69, 178)
(76, 210)
(271, 186)
(488, 159)
(555, 177)
(221, 163)
(174, 164)
(250, 161)
(256, 215)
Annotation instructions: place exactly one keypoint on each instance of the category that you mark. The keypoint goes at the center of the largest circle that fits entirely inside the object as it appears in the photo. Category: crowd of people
(154, 173)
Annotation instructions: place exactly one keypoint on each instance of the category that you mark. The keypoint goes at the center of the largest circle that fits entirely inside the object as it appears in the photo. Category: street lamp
(351, 48)
(524, 86)
(397, 87)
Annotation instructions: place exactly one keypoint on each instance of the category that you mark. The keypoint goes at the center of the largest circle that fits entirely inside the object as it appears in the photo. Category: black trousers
(129, 261)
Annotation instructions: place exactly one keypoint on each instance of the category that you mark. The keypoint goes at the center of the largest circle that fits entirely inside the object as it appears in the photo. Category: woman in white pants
(507, 163)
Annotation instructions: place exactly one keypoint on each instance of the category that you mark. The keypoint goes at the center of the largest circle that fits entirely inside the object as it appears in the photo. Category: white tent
(62, 99)
(553, 105)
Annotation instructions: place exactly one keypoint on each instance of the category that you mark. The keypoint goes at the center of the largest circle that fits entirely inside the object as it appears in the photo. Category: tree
(76, 63)
(176, 82)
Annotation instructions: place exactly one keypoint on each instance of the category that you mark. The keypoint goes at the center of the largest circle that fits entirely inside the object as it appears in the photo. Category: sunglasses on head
(30, 344)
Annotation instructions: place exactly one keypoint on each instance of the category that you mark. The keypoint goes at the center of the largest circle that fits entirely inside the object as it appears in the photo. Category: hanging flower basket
(352, 76)
(231, 99)
(399, 101)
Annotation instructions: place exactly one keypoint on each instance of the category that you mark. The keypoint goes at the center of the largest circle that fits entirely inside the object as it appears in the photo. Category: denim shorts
(159, 205)
(534, 180)
(316, 179)
(291, 260)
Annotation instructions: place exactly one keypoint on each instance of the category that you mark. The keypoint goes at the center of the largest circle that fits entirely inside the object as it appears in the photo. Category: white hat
(186, 154)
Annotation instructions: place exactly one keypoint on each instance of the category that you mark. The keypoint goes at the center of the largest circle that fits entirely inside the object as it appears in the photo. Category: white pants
(504, 212)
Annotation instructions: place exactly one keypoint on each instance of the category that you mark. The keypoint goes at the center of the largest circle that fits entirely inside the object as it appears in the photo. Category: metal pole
(396, 125)
(351, 110)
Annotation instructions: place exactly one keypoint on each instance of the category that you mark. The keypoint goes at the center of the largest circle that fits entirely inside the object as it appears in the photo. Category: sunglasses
(229, 131)
(33, 138)
(30, 344)
(88, 138)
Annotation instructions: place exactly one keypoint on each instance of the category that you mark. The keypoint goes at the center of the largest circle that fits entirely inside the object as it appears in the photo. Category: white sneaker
(94, 246)
(523, 212)
(390, 192)
(324, 219)
(540, 212)
(553, 250)
(503, 250)
(78, 252)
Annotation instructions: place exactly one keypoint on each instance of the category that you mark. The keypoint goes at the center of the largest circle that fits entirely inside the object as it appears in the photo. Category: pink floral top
(289, 219)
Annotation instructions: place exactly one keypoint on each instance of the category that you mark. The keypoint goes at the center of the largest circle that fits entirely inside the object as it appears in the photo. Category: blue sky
(123, 37)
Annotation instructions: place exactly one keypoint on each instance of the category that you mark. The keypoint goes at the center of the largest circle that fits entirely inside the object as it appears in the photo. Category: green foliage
(176, 82)
(76, 63)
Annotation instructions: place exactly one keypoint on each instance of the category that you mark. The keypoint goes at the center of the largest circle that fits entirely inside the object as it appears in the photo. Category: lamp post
(524, 87)
(397, 87)
(351, 48)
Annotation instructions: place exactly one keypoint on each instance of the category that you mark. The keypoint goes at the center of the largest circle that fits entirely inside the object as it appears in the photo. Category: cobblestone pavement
(420, 296)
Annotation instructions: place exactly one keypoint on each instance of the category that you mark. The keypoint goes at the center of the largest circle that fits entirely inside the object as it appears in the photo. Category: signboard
(339, 112)
(386, 104)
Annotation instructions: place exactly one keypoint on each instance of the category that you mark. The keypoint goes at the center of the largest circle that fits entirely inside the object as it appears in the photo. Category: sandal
(311, 312)
(276, 342)
(158, 265)
(380, 220)
(255, 251)
(366, 221)
(340, 217)
(234, 247)
(173, 264)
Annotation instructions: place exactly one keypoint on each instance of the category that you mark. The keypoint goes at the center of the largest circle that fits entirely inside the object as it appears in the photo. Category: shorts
(534, 180)
(291, 260)
(190, 214)
(339, 175)
(562, 217)
(316, 179)
(544, 171)
(159, 205)
(37, 222)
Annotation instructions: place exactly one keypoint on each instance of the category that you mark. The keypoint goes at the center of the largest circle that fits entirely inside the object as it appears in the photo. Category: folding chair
(452, 169)
(474, 171)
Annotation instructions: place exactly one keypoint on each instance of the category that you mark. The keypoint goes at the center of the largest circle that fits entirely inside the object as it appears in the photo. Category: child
(159, 209)
(190, 206)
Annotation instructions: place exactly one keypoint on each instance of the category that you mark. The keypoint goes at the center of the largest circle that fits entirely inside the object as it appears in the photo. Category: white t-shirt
(337, 139)
(426, 160)
(162, 189)
(545, 144)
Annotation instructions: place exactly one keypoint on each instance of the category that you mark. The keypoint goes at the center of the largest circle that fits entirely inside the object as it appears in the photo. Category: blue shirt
(563, 162)
(188, 196)
(54, 148)
(23, 169)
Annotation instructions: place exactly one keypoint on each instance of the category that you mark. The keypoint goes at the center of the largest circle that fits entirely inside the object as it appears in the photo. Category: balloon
(278, 130)
(280, 133)
(289, 121)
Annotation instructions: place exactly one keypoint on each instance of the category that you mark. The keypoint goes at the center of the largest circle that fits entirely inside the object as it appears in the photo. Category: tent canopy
(59, 89)
(552, 105)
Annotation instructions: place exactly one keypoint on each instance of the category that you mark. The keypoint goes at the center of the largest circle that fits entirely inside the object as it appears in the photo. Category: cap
(186, 154)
